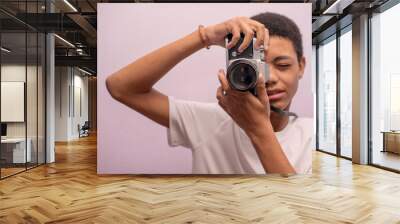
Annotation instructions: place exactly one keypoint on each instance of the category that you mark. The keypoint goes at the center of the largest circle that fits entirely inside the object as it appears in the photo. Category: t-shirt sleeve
(191, 123)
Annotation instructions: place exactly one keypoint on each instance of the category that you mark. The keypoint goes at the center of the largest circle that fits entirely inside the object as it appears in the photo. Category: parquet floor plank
(70, 191)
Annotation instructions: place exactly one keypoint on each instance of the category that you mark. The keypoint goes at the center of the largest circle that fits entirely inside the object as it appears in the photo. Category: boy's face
(285, 71)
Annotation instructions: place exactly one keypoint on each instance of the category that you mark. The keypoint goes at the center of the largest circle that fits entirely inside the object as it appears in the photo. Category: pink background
(129, 143)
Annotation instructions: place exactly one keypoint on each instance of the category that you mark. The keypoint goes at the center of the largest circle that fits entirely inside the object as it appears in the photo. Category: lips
(275, 95)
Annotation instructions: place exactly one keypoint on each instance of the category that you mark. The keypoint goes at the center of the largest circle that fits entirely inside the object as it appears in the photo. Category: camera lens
(242, 76)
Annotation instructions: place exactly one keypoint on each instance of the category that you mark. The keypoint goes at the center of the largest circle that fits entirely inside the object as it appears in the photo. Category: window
(327, 95)
(385, 89)
(346, 92)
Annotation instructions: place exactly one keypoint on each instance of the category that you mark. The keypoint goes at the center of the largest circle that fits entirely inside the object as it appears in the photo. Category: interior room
(52, 169)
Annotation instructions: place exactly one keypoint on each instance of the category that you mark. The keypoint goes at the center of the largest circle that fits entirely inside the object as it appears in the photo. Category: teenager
(240, 134)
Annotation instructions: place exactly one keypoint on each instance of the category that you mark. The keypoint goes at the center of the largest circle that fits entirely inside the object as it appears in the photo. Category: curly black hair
(281, 26)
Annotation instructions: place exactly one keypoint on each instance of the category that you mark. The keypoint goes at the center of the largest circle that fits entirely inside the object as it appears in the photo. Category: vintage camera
(243, 68)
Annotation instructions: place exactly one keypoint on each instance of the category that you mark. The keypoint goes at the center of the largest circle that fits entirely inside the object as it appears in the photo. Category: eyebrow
(279, 58)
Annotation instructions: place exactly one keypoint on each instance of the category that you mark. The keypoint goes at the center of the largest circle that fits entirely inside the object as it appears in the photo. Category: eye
(283, 66)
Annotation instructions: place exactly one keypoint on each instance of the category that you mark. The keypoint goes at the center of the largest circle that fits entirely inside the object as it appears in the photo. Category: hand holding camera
(216, 34)
(249, 112)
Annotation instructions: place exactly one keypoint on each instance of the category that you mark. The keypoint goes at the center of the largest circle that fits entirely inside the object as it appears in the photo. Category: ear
(302, 65)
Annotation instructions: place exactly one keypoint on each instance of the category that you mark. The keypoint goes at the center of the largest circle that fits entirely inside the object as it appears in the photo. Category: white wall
(62, 80)
(69, 82)
(80, 84)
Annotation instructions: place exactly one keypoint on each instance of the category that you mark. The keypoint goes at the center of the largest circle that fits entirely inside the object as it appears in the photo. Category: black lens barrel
(242, 75)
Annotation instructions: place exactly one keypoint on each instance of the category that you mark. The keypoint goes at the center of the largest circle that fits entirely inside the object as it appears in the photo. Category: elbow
(113, 89)
(120, 90)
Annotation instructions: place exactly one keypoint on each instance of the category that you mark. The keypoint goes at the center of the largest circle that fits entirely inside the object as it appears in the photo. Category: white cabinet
(17, 146)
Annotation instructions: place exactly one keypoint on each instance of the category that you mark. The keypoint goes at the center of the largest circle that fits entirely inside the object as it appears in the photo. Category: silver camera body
(243, 68)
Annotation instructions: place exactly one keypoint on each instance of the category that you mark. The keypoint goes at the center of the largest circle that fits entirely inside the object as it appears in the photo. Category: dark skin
(133, 85)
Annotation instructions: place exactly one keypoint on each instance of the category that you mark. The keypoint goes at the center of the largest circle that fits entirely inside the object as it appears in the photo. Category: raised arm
(133, 84)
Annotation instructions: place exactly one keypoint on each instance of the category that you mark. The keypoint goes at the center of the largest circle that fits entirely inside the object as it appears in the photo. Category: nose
(273, 77)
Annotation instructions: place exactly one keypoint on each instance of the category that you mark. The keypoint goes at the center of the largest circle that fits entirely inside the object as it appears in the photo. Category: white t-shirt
(220, 146)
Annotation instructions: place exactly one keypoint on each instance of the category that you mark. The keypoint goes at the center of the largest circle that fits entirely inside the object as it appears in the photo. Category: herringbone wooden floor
(70, 191)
